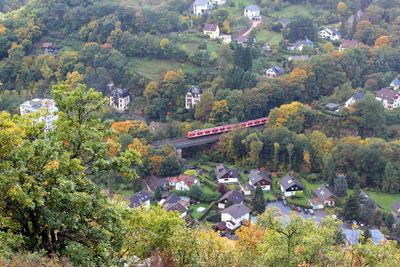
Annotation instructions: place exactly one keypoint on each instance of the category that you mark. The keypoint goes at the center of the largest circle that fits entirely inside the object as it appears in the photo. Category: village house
(346, 44)
(155, 182)
(274, 72)
(299, 45)
(354, 98)
(389, 98)
(46, 108)
(139, 199)
(177, 207)
(183, 182)
(192, 97)
(395, 84)
(49, 48)
(225, 175)
(201, 7)
(322, 197)
(289, 185)
(176, 203)
(212, 30)
(261, 179)
(119, 98)
(284, 22)
(247, 189)
(252, 12)
(329, 33)
(229, 198)
(235, 215)
(218, 2)
(332, 107)
(225, 39)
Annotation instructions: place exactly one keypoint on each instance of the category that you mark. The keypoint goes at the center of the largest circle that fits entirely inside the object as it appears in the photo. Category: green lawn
(291, 11)
(384, 200)
(194, 208)
(269, 196)
(273, 38)
(154, 68)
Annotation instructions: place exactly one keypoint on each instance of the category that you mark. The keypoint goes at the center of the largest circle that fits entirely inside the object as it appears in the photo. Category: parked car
(284, 202)
(311, 211)
(306, 210)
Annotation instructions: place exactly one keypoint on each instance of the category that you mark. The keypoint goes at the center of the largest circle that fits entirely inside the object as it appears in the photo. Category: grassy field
(384, 200)
(154, 68)
(273, 38)
(291, 11)
(194, 208)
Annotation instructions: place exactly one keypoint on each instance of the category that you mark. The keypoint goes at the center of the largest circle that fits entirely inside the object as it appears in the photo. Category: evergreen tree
(259, 201)
(328, 170)
(340, 185)
(351, 209)
(390, 179)
(157, 193)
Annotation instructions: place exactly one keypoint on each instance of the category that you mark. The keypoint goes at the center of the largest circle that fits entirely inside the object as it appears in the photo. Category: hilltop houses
(322, 197)
(252, 12)
(389, 98)
(139, 199)
(192, 98)
(201, 7)
(330, 33)
(274, 72)
(231, 197)
(261, 179)
(212, 30)
(300, 45)
(119, 98)
(235, 215)
(224, 175)
(182, 182)
(45, 107)
(289, 185)
(354, 98)
(395, 84)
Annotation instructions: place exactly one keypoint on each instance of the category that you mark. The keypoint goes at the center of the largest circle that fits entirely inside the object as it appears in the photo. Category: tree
(328, 168)
(276, 154)
(340, 185)
(366, 236)
(203, 108)
(259, 201)
(382, 41)
(300, 27)
(351, 209)
(242, 58)
(289, 149)
(157, 193)
(391, 182)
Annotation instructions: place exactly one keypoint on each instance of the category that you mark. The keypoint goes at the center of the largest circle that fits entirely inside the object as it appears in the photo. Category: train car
(226, 128)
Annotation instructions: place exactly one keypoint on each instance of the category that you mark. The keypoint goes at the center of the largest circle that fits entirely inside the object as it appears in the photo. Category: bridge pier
(179, 153)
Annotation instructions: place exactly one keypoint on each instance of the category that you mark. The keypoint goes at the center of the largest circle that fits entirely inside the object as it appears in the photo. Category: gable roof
(153, 182)
(200, 2)
(278, 70)
(386, 94)
(118, 92)
(138, 199)
(332, 31)
(173, 198)
(221, 170)
(194, 90)
(210, 27)
(288, 181)
(233, 196)
(358, 96)
(257, 176)
(189, 180)
(395, 82)
(305, 42)
(284, 21)
(237, 210)
(323, 193)
(253, 8)
(175, 207)
(299, 58)
(349, 43)
(396, 206)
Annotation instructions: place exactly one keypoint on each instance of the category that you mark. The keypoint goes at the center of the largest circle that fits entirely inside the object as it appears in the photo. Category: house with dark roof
(229, 198)
(225, 176)
(353, 236)
(192, 97)
(389, 98)
(284, 22)
(247, 189)
(354, 98)
(49, 48)
(274, 72)
(289, 185)
(346, 44)
(329, 33)
(212, 30)
(322, 197)
(395, 84)
(235, 215)
(252, 12)
(153, 182)
(332, 107)
(261, 179)
(299, 45)
(140, 199)
(119, 98)
(182, 210)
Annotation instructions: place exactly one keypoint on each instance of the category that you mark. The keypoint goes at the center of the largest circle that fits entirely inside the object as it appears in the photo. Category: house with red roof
(346, 44)
(389, 98)
(183, 182)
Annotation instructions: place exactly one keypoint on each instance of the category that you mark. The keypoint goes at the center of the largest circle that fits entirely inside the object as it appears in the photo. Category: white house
(193, 96)
(234, 215)
(289, 185)
(261, 179)
(389, 98)
(139, 199)
(395, 84)
(218, 2)
(201, 7)
(329, 33)
(45, 107)
(225, 175)
(299, 45)
(354, 98)
(183, 182)
(232, 197)
(274, 72)
(252, 12)
(119, 98)
(212, 30)
(322, 197)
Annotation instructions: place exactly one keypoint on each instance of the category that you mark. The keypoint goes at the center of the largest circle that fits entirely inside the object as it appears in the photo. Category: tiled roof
(237, 210)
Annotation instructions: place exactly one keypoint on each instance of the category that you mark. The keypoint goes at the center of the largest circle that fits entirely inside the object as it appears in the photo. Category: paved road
(286, 210)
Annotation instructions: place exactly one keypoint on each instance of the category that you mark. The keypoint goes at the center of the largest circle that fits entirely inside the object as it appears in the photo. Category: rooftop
(210, 27)
(323, 193)
(233, 196)
(118, 92)
(237, 210)
(138, 199)
(253, 8)
(288, 181)
(387, 94)
(349, 43)
(38, 104)
(257, 176)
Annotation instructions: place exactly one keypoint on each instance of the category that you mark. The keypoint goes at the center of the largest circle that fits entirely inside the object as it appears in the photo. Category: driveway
(286, 210)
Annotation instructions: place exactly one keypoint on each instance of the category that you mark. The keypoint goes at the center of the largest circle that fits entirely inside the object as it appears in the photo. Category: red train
(226, 128)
